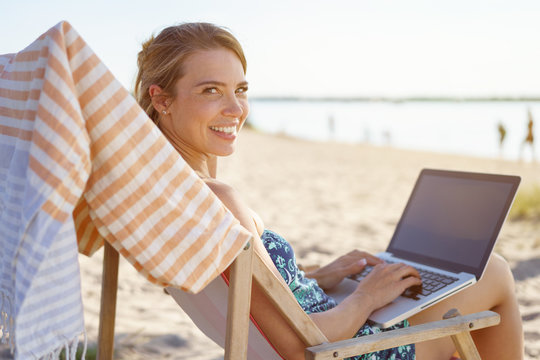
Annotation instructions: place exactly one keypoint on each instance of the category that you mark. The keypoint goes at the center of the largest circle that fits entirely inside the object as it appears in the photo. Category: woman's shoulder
(221, 189)
(227, 194)
(233, 201)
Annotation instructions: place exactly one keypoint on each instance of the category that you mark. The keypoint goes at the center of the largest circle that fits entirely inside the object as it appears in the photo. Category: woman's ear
(159, 99)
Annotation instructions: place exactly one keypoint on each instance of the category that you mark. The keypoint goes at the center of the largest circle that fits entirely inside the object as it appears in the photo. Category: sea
(458, 127)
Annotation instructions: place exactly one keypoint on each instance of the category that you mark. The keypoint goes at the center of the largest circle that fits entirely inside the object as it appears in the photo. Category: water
(468, 128)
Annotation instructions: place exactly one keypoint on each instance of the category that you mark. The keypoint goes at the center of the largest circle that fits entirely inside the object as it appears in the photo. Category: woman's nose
(233, 107)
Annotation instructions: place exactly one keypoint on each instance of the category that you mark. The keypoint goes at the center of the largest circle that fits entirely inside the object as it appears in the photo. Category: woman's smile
(226, 132)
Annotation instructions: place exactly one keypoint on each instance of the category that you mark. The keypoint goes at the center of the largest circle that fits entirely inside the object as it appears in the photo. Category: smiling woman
(191, 82)
(208, 107)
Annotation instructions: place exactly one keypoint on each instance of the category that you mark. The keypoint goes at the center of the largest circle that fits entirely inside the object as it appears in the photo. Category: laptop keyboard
(431, 282)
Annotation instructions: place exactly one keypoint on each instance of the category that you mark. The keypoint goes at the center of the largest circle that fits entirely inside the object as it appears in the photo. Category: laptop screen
(452, 219)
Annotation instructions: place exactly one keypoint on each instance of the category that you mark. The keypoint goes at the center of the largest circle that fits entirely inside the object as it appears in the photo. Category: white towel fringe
(6, 321)
(69, 348)
(85, 346)
(6, 332)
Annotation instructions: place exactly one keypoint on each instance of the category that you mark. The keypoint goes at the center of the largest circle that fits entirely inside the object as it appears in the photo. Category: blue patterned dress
(313, 299)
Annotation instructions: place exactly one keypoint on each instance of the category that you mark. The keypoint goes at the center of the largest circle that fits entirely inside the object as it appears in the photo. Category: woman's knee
(498, 274)
(499, 267)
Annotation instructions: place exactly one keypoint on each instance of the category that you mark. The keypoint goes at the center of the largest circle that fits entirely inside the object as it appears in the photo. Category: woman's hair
(162, 57)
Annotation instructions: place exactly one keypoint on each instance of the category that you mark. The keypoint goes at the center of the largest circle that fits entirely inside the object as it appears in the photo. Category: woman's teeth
(226, 130)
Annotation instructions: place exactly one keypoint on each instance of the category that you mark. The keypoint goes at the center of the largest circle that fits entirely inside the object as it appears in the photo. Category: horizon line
(398, 99)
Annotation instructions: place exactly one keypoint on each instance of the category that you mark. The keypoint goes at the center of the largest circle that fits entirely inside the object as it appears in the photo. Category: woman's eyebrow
(218, 83)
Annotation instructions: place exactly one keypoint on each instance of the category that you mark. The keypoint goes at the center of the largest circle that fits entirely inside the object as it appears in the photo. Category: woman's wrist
(309, 269)
(316, 274)
(364, 300)
(343, 321)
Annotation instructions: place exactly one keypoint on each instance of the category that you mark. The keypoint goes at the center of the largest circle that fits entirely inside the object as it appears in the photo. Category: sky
(329, 48)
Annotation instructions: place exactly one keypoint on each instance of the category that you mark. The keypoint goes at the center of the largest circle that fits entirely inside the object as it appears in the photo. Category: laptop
(447, 231)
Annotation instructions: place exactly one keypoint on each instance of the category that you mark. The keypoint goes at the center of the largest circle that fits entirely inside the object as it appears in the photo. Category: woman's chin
(222, 152)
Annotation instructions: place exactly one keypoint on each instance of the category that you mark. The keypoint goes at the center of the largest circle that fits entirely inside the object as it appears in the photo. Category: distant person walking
(529, 139)
(331, 127)
(502, 135)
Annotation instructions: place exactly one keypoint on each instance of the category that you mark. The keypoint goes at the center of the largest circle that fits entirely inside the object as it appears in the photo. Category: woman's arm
(383, 285)
(278, 331)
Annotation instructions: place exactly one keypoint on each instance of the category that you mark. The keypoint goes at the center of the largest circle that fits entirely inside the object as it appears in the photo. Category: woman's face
(211, 103)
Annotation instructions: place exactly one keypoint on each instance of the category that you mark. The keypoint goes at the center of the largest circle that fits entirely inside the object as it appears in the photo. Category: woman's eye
(211, 91)
(242, 90)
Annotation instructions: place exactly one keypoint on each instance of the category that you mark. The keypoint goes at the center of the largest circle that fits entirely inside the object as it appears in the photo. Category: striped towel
(81, 163)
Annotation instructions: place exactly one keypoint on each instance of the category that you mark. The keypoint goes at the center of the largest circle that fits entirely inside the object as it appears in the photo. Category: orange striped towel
(81, 161)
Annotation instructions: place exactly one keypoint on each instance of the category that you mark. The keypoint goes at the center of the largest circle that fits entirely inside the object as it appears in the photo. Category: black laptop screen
(452, 219)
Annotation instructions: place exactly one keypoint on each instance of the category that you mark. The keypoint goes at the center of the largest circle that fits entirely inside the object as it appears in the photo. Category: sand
(326, 199)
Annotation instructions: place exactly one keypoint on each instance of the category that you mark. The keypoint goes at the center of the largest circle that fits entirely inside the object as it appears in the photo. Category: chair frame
(107, 313)
(317, 345)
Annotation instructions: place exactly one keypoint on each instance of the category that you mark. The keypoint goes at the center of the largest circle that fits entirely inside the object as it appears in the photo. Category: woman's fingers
(396, 275)
(350, 267)
(410, 281)
(356, 267)
(373, 260)
(370, 259)
(408, 271)
(387, 281)
(400, 270)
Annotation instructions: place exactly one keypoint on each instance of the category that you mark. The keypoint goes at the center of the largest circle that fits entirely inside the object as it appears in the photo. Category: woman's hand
(332, 274)
(386, 282)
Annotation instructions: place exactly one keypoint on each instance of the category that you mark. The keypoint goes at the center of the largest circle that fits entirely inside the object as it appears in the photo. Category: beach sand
(326, 199)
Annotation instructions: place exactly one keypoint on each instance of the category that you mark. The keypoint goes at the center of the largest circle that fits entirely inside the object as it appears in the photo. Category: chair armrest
(399, 337)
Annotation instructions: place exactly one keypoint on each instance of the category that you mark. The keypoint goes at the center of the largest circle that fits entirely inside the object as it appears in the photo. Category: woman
(192, 83)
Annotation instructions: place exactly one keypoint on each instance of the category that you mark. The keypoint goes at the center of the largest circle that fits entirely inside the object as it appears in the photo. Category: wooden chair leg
(463, 341)
(238, 305)
(109, 287)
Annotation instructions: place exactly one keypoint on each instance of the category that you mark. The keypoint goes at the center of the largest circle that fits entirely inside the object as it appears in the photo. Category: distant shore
(398, 99)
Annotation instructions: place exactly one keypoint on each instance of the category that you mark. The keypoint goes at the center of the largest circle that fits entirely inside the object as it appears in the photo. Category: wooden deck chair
(226, 322)
(237, 305)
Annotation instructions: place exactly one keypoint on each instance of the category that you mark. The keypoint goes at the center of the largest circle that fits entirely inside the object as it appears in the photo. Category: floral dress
(313, 299)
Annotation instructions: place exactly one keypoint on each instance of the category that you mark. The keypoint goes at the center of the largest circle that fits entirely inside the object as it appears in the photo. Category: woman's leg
(495, 291)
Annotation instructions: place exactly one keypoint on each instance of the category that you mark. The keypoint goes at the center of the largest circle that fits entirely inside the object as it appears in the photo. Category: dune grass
(527, 204)
(91, 353)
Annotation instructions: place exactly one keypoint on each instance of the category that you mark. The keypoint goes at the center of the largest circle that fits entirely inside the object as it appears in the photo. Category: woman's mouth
(226, 130)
